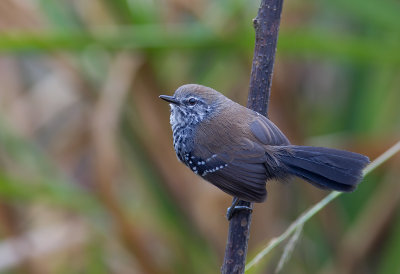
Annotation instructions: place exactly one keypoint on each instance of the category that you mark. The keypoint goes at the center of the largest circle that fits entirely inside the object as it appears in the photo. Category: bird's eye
(192, 101)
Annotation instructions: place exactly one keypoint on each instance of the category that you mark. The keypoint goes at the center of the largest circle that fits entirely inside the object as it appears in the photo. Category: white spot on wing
(213, 169)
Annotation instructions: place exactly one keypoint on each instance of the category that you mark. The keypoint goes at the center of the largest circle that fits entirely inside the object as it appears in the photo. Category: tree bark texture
(266, 26)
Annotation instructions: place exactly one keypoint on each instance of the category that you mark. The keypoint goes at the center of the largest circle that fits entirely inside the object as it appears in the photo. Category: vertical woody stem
(266, 26)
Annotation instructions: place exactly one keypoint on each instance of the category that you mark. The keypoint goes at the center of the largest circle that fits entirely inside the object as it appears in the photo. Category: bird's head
(193, 103)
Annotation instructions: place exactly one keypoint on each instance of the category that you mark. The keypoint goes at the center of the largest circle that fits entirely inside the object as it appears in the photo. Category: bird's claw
(233, 209)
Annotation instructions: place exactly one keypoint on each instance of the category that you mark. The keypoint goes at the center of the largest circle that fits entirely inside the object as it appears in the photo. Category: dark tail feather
(324, 167)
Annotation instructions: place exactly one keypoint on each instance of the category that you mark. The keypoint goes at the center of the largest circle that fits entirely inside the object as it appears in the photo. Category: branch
(320, 205)
(266, 26)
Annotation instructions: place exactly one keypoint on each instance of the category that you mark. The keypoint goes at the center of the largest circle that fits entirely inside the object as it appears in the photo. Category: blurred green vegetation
(85, 141)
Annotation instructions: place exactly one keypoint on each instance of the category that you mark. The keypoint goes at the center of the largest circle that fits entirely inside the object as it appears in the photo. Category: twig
(266, 26)
(320, 205)
(287, 252)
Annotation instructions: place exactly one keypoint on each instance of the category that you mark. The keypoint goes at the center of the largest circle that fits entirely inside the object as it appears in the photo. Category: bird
(239, 150)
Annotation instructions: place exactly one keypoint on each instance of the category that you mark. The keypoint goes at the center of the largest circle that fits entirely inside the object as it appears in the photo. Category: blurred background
(89, 181)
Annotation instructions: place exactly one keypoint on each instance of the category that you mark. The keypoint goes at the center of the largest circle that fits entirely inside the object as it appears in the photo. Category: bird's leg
(234, 207)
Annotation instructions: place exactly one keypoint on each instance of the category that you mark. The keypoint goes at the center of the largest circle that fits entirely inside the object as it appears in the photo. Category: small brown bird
(238, 150)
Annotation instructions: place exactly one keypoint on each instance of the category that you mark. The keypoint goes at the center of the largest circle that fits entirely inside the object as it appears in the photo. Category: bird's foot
(235, 208)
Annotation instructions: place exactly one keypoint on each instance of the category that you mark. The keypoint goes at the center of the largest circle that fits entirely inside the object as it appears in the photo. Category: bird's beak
(169, 99)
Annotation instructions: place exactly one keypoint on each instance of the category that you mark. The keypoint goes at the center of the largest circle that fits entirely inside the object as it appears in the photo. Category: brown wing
(238, 170)
(267, 132)
(233, 154)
